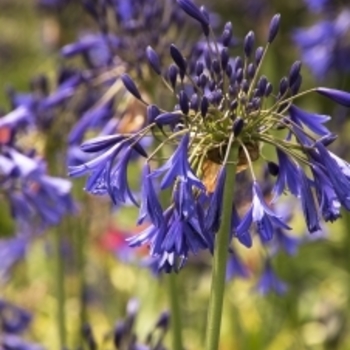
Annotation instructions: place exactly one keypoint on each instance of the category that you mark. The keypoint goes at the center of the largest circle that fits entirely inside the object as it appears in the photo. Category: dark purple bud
(238, 63)
(294, 72)
(203, 79)
(283, 86)
(256, 103)
(273, 168)
(194, 102)
(297, 84)
(168, 118)
(153, 59)
(245, 85)
(193, 11)
(199, 68)
(226, 38)
(328, 139)
(130, 86)
(163, 320)
(224, 57)
(274, 26)
(216, 66)
(338, 96)
(239, 75)
(196, 80)
(204, 106)
(178, 59)
(205, 28)
(152, 112)
(120, 332)
(172, 75)
(229, 70)
(258, 55)
(233, 90)
(262, 85)
(184, 103)
(268, 90)
(238, 125)
(251, 70)
(100, 143)
(212, 85)
(249, 41)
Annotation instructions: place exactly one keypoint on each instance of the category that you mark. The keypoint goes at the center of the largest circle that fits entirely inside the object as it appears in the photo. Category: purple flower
(150, 207)
(311, 120)
(213, 215)
(288, 176)
(262, 215)
(235, 267)
(178, 166)
(269, 282)
(13, 319)
(338, 96)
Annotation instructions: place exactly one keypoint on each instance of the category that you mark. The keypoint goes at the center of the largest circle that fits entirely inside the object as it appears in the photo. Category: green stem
(175, 311)
(60, 293)
(220, 256)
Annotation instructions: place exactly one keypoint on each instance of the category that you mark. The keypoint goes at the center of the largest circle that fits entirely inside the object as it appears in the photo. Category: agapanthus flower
(269, 282)
(224, 103)
(325, 46)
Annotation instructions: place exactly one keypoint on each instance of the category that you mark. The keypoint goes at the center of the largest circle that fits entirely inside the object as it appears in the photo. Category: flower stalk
(220, 255)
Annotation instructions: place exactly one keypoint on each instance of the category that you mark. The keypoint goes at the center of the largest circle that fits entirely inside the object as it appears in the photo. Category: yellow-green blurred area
(315, 312)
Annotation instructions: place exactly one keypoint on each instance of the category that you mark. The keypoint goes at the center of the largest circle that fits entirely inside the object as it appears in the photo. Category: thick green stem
(220, 256)
(176, 324)
(60, 292)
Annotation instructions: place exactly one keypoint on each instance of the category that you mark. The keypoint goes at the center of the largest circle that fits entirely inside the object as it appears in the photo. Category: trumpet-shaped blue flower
(262, 215)
(178, 166)
(269, 282)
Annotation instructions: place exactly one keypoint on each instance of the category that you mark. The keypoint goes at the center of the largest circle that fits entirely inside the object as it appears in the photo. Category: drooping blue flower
(269, 282)
(213, 215)
(235, 267)
(178, 166)
(327, 199)
(150, 207)
(335, 173)
(308, 204)
(12, 250)
(262, 215)
(312, 120)
(288, 177)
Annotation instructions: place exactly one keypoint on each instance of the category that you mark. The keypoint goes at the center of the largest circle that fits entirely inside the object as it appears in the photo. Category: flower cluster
(224, 105)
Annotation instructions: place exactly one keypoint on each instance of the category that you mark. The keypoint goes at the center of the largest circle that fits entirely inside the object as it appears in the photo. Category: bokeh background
(314, 313)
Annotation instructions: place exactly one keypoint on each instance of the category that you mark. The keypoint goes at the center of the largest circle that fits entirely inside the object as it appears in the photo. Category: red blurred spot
(5, 135)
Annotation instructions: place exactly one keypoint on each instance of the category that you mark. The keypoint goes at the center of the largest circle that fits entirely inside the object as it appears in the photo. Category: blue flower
(178, 166)
(288, 176)
(235, 267)
(150, 207)
(312, 120)
(269, 282)
(262, 215)
(213, 215)
(308, 203)
(327, 199)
